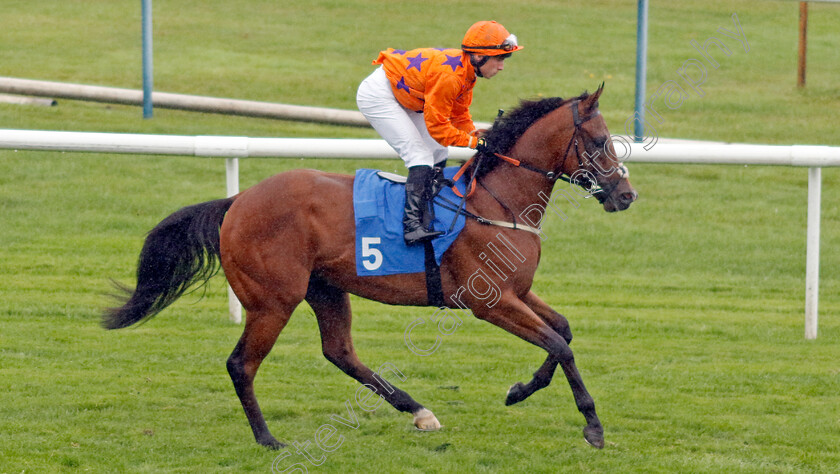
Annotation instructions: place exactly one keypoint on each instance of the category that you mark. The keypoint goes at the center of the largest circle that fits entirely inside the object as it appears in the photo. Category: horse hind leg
(542, 378)
(332, 309)
(259, 336)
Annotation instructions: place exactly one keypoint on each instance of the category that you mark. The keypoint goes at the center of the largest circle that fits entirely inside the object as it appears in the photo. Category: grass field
(687, 309)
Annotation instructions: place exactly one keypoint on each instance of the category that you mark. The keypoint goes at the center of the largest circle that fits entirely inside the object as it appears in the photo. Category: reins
(458, 209)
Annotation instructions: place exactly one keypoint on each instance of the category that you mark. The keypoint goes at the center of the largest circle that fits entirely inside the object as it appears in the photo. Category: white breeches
(403, 129)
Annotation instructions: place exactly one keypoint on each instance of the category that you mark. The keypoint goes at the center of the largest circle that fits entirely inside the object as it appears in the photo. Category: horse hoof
(594, 436)
(425, 420)
(515, 394)
(271, 443)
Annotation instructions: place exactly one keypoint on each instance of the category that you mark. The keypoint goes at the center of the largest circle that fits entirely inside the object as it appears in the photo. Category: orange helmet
(490, 39)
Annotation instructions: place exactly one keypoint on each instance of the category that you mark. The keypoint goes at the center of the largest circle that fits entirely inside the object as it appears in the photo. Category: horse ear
(600, 89)
(592, 100)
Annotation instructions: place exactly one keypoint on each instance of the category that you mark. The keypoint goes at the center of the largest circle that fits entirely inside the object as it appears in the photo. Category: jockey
(419, 101)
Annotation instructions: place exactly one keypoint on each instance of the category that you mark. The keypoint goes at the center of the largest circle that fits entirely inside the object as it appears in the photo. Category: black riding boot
(417, 195)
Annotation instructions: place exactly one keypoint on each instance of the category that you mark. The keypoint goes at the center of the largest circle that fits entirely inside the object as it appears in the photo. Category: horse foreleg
(593, 432)
(261, 331)
(514, 316)
(557, 321)
(542, 377)
(332, 309)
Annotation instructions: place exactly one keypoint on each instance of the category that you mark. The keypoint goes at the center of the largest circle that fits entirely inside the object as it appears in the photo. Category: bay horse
(291, 238)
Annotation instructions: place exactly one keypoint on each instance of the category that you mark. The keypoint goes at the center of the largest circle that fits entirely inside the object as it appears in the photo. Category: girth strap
(434, 287)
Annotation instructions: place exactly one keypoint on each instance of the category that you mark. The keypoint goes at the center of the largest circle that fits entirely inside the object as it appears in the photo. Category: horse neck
(541, 146)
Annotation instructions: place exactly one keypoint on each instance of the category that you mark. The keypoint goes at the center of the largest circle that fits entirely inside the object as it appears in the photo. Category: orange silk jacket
(439, 83)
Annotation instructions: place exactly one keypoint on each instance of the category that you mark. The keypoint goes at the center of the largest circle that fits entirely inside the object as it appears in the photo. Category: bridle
(582, 179)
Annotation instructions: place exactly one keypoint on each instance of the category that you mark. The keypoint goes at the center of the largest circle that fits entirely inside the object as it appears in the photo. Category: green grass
(687, 309)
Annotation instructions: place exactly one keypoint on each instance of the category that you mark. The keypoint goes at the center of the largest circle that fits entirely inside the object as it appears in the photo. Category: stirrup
(419, 235)
(440, 184)
(439, 181)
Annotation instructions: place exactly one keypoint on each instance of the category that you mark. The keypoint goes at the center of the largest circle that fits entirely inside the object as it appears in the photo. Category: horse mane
(508, 128)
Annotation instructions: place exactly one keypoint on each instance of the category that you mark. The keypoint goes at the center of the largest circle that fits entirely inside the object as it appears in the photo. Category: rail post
(232, 179)
(812, 266)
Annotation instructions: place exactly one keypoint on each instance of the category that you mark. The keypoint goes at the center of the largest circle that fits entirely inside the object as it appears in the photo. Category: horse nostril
(629, 197)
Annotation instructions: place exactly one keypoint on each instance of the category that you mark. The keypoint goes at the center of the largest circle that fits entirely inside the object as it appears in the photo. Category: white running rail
(232, 148)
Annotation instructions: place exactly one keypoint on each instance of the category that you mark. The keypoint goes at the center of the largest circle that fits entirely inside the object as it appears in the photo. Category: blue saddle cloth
(378, 206)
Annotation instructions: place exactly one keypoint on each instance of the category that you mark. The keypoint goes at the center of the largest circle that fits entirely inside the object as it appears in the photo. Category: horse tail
(180, 251)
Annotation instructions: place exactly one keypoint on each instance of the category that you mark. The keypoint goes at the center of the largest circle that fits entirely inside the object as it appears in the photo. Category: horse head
(564, 139)
(597, 168)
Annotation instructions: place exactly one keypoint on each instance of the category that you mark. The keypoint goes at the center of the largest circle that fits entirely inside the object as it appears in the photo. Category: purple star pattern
(454, 61)
(416, 62)
(401, 85)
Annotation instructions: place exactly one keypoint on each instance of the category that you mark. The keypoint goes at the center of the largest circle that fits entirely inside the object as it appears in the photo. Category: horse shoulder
(487, 260)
